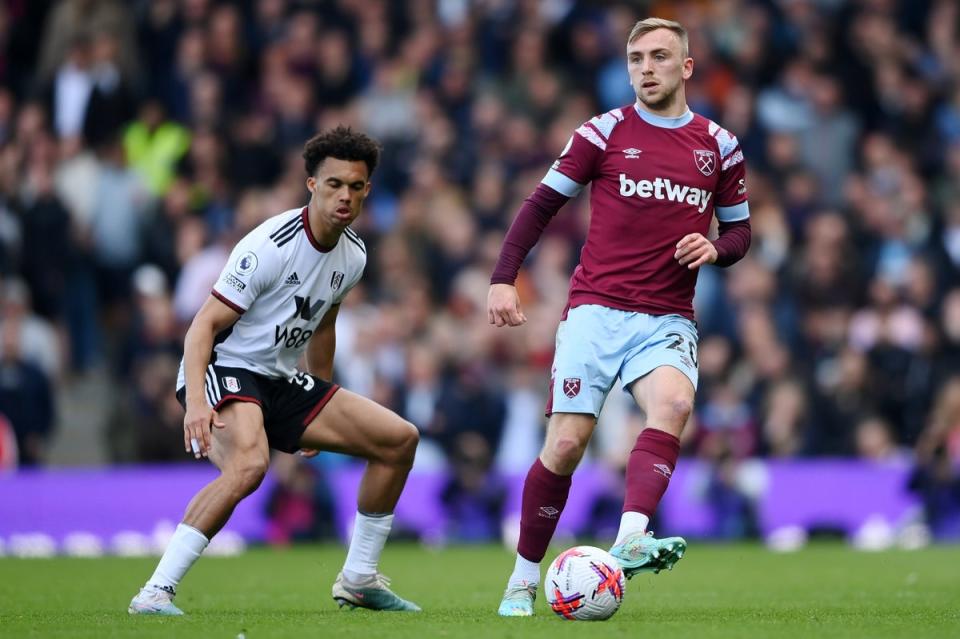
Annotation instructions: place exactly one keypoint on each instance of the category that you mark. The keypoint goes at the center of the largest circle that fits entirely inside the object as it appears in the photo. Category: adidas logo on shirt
(293, 280)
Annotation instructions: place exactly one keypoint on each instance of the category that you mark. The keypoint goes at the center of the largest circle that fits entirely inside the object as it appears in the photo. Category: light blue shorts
(596, 345)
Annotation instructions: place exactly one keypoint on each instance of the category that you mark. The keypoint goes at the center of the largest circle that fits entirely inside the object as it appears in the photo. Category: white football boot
(152, 600)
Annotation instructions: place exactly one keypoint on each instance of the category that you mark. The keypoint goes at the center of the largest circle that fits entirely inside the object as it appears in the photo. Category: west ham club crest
(706, 161)
(571, 386)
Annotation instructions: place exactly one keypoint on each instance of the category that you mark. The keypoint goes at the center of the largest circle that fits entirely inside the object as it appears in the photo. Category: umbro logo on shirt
(293, 280)
(631, 153)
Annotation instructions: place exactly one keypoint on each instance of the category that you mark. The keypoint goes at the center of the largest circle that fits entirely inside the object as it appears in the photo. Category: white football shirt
(282, 283)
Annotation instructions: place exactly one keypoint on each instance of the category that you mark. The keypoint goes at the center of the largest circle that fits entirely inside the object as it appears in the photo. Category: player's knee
(677, 409)
(248, 473)
(406, 448)
(565, 451)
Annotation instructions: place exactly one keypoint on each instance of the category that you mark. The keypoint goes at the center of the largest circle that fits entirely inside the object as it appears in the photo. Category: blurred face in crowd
(338, 189)
(658, 69)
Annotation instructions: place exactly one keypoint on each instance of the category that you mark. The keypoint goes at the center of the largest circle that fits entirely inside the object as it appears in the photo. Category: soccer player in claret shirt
(658, 175)
(277, 298)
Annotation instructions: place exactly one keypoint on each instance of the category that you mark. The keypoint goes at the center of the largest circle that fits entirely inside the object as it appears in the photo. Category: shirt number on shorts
(303, 379)
(678, 345)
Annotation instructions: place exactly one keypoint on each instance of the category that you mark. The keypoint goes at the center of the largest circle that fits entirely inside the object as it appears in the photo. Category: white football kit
(282, 283)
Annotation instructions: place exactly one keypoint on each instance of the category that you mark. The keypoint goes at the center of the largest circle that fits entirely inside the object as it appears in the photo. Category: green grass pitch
(742, 591)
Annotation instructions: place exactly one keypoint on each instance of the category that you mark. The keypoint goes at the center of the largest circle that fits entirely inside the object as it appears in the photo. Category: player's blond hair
(644, 27)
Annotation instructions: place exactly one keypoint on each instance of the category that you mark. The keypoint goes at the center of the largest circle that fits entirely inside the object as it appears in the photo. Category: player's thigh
(666, 396)
(242, 441)
(670, 343)
(352, 424)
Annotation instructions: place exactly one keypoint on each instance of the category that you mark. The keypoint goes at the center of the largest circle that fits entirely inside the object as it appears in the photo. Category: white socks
(369, 536)
(631, 522)
(524, 572)
(184, 548)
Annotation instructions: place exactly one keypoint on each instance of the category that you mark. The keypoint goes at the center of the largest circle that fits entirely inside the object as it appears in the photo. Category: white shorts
(596, 345)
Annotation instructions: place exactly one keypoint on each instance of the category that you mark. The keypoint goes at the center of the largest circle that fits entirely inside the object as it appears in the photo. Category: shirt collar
(661, 121)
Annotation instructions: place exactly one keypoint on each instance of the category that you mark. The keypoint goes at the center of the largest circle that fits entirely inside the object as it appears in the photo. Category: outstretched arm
(212, 318)
(320, 350)
(533, 217)
(322, 345)
(503, 303)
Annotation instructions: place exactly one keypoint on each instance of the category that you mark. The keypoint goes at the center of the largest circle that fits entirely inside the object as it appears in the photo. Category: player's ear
(687, 68)
(311, 183)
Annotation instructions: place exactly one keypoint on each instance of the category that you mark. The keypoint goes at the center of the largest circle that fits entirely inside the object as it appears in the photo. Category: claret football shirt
(653, 180)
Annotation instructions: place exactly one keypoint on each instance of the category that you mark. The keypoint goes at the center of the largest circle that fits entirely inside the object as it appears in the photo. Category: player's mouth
(343, 213)
(649, 85)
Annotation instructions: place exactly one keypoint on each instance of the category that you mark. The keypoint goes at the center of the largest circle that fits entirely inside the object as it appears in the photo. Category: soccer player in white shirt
(278, 297)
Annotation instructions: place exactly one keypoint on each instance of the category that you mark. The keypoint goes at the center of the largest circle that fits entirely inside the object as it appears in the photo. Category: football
(584, 583)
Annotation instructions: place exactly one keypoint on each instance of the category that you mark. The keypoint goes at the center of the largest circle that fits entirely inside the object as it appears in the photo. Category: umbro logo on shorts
(293, 280)
(549, 512)
(571, 387)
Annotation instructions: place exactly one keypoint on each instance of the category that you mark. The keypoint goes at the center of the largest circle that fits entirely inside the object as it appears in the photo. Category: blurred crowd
(140, 139)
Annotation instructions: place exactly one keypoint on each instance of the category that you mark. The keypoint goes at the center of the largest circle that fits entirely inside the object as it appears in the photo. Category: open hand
(196, 429)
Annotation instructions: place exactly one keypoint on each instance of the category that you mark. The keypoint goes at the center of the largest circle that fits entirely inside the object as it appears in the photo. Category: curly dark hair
(342, 143)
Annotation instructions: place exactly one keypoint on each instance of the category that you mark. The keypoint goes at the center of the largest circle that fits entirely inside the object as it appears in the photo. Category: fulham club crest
(706, 161)
(336, 280)
(232, 384)
(571, 386)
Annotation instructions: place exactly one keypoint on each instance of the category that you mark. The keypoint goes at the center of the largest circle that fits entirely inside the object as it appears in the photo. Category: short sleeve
(347, 286)
(578, 162)
(250, 270)
(731, 202)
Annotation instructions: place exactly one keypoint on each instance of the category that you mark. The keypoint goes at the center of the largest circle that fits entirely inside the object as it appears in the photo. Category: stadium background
(139, 140)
